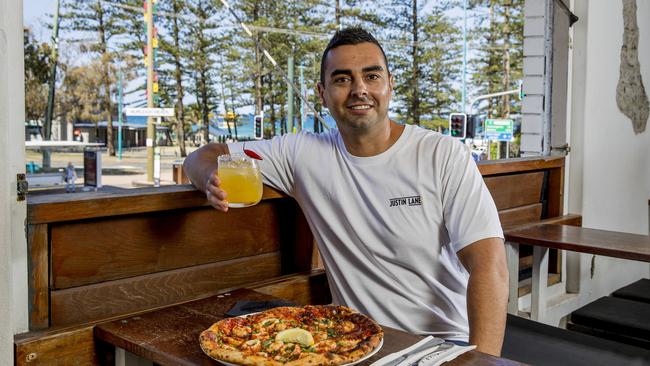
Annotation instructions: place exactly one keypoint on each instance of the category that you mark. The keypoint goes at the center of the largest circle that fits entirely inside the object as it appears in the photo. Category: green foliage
(207, 60)
(499, 66)
(37, 73)
(436, 124)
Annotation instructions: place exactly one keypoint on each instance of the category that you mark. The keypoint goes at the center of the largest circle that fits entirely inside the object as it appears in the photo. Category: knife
(425, 345)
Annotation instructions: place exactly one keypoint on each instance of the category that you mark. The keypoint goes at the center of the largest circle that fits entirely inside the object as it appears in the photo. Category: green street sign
(498, 129)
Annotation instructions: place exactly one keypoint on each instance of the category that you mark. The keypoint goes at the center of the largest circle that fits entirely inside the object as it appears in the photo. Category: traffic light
(458, 125)
(470, 126)
(258, 127)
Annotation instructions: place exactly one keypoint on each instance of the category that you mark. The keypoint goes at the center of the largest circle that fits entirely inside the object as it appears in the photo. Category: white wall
(609, 166)
(13, 252)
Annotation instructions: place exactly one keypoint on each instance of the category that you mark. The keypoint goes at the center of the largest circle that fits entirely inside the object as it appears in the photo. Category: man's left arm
(487, 293)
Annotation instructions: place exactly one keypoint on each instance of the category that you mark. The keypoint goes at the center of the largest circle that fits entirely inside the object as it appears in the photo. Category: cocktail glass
(241, 179)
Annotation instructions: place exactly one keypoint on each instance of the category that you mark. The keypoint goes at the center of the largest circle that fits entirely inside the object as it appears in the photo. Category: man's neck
(372, 142)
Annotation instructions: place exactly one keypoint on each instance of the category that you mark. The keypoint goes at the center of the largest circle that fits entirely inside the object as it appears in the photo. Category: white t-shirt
(388, 226)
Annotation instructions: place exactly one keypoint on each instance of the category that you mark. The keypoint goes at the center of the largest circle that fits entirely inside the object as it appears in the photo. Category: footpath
(126, 172)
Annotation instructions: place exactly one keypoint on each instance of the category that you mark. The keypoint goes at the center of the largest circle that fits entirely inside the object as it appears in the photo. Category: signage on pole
(498, 129)
(149, 112)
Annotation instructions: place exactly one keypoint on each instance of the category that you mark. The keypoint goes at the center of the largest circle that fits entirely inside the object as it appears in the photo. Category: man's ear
(321, 94)
(391, 82)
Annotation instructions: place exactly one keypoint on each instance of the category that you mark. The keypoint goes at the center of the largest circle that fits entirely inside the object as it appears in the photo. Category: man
(407, 230)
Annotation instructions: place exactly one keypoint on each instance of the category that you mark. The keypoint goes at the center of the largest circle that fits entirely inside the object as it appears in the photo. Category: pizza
(313, 335)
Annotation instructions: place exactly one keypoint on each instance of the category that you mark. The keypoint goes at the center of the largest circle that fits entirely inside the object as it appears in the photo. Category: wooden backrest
(525, 190)
(100, 255)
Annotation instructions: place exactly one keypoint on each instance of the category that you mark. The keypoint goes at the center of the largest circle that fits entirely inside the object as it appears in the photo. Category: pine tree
(102, 21)
(441, 64)
(203, 45)
(500, 60)
(174, 54)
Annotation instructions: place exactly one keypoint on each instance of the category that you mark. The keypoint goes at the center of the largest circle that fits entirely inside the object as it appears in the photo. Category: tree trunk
(259, 106)
(108, 104)
(506, 61)
(283, 122)
(337, 14)
(178, 75)
(205, 111)
(225, 102)
(272, 105)
(415, 80)
(232, 104)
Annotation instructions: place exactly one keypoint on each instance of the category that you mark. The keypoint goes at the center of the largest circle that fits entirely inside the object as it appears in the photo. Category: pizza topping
(241, 332)
(295, 335)
(319, 335)
(325, 346)
(346, 326)
(327, 335)
(254, 345)
(345, 345)
(274, 346)
(232, 341)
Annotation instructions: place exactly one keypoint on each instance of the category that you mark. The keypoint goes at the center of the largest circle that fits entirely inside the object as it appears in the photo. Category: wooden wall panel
(71, 347)
(556, 192)
(112, 298)
(92, 251)
(515, 190)
(38, 276)
(303, 289)
(520, 215)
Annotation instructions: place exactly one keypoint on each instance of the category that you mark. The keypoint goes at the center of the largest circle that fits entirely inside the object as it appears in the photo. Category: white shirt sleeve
(469, 210)
(277, 162)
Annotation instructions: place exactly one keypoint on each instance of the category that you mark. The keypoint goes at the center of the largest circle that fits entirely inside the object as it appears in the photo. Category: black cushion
(637, 291)
(616, 315)
(535, 343)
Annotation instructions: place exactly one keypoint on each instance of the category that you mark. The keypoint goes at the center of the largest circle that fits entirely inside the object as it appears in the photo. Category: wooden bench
(98, 256)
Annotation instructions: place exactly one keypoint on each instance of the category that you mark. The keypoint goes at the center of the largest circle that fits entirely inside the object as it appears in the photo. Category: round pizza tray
(381, 343)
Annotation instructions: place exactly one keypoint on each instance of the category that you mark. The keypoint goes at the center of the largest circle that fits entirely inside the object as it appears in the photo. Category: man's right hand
(215, 195)
(201, 167)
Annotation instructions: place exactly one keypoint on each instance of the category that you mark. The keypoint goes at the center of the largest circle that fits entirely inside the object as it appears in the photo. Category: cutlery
(423, 347)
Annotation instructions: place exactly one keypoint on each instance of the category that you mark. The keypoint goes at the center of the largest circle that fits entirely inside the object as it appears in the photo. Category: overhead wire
(278, 69)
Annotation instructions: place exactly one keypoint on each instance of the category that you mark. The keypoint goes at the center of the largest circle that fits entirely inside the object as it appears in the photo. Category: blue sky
(35, 13)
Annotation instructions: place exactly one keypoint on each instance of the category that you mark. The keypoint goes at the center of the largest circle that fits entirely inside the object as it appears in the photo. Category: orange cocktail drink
(241, 180)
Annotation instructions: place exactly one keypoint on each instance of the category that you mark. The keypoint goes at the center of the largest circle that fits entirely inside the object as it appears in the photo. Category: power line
(290, 83)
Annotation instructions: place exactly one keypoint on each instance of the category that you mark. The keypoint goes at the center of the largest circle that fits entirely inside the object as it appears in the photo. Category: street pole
(302, 100)
(464, 91)
(49, 113)
(151, 130)
(290, 125)
(119, 117)
(488, 96)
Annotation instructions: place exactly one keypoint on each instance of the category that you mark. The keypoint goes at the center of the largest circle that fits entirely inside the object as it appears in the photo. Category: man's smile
(360, 106)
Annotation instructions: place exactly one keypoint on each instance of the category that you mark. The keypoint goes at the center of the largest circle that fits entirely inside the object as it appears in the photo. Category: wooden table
(170, 336)
(584, 240)
(573, 238)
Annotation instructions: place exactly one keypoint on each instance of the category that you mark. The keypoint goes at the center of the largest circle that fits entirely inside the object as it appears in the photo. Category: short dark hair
(349, 36)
